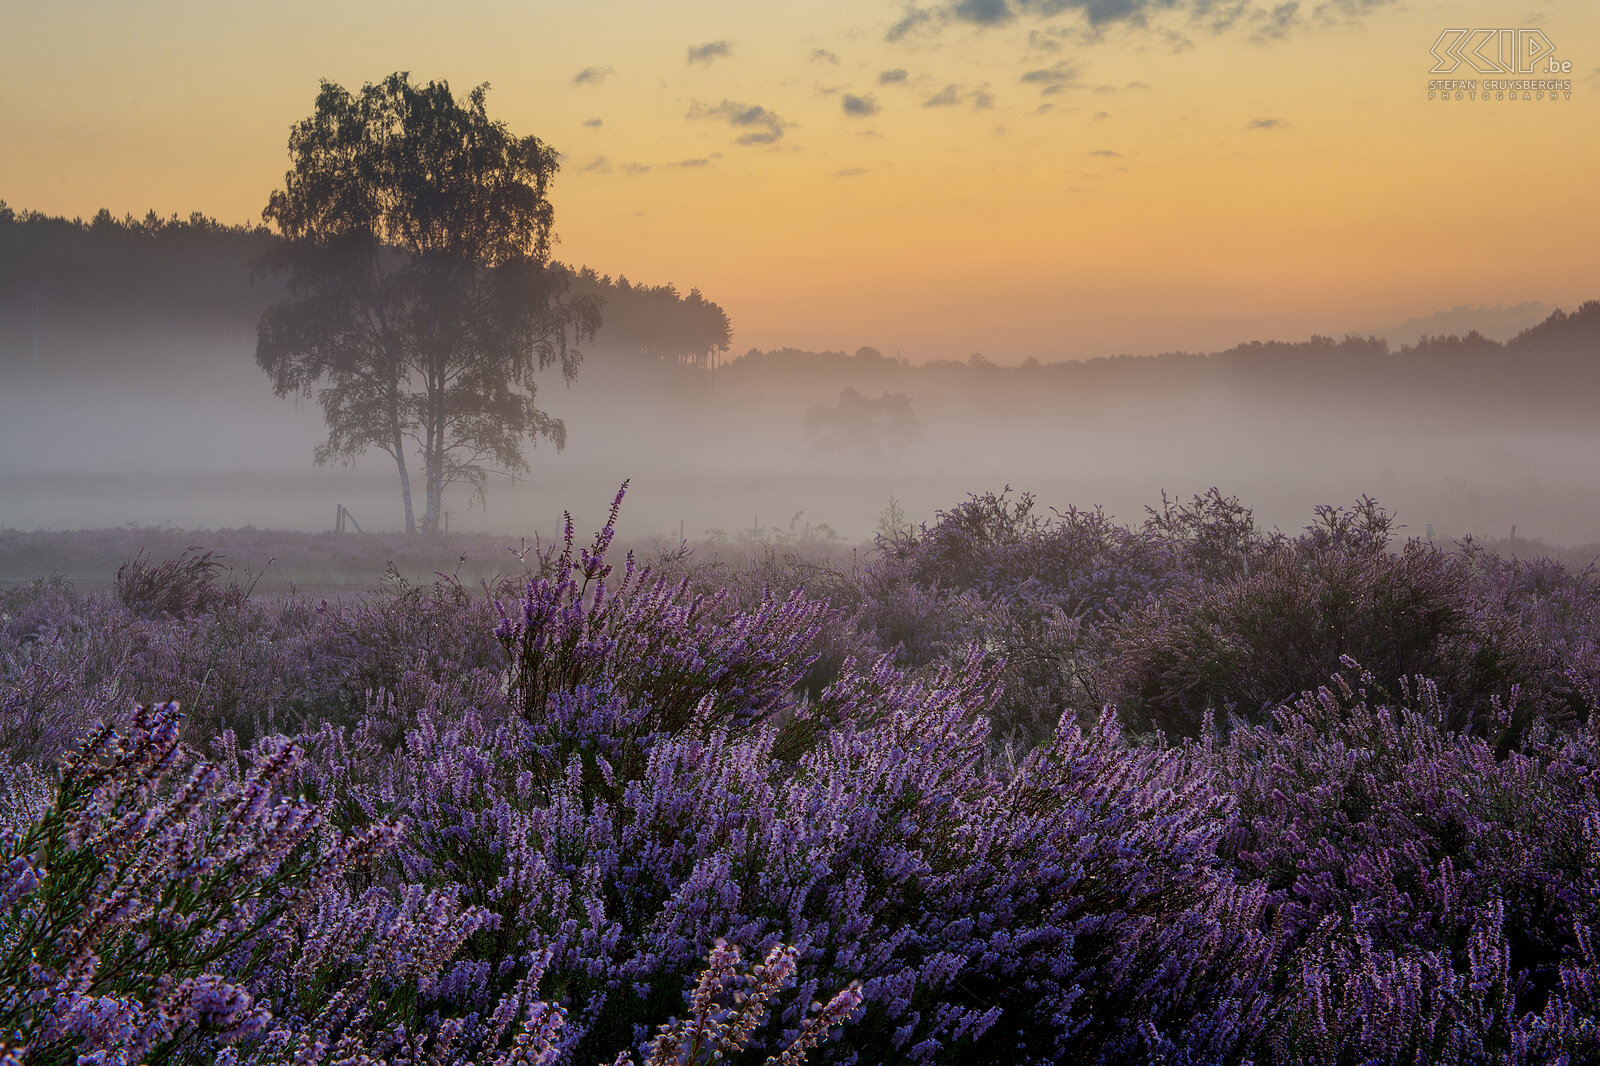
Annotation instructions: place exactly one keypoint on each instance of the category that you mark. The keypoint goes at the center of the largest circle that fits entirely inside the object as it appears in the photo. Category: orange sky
(1041, 185)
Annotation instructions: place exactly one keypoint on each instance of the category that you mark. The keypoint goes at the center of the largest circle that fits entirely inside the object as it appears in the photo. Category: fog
(156, 426)
(129, 393)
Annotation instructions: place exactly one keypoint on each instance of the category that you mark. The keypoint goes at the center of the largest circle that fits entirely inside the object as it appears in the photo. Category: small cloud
(636, 168)
(598, 165)
(892, 77)
(689, 164)
(983, 12)
(705, 53)
(949, 96)
(982, 101)
(860, 106)
(763, 126)
(1102, 114)
(592, 75)
(1042, 108)
(594, 123)
(1057, 74)
(850, 172)
(1275, 25)
(1136, 85)
(1266, 124)
(1106, 153)
(914, 18)
(822, 55)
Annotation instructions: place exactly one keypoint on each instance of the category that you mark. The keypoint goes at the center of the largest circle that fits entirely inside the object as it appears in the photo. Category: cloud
(850, 172)
(892, 77)
(859, 106)
(914, 18)
(762, 126)
(1102, 114)
(594, 123)
(705, 53)
(689, 164)
(1275, 25)
(822, 55)
(951, 95)
(598, 165)
(1266, 124)
(1106, 153)
(592, 75)
(1054, 76)
(636, 168)
(1262, 19)
(983, 12)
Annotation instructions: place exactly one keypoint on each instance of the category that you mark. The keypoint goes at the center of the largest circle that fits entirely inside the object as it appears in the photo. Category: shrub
(130, 898)
(177, 587)
(1409, 865)
(657, 783)
(1244, 646)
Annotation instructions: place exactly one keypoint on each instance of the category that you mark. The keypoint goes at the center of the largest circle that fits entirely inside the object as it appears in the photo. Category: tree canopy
(422, 303)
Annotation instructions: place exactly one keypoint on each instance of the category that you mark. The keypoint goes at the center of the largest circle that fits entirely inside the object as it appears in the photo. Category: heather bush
(1041, 594)
(255, 666)
(1559, 607)
(1351, 1002)
(177, 587)
(1024, 918)
(64, 663)
(1198, 655)
(1437, 893)
(652, 783)
(1217, 537)
(131, 896)
(673, 655)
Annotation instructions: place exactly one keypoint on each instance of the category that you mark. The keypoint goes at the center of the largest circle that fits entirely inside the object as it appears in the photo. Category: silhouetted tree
(860, 427)
(416, 244)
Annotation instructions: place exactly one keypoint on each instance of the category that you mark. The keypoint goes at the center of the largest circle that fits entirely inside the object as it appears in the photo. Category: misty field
(1009, 785)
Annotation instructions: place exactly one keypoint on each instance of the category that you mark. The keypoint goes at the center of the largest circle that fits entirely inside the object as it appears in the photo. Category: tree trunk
(405, 478)
(433, 474)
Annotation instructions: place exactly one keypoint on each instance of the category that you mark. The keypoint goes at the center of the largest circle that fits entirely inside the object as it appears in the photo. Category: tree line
(1551, 367)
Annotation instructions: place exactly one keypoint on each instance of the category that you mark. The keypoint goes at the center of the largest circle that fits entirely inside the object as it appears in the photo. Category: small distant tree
(422, 303)
(860, 427)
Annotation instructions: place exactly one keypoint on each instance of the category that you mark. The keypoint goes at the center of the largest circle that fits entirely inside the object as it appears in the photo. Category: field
(1010, 785)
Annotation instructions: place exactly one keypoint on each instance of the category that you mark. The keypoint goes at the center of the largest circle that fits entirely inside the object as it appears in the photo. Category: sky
(1052, 179)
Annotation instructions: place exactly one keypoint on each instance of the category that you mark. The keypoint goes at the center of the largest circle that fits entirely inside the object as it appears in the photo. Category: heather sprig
(730, 1001)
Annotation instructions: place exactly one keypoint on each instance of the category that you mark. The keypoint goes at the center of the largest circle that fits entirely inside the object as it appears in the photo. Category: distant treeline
(61, 278)
(1554, 365)
(65, 280)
